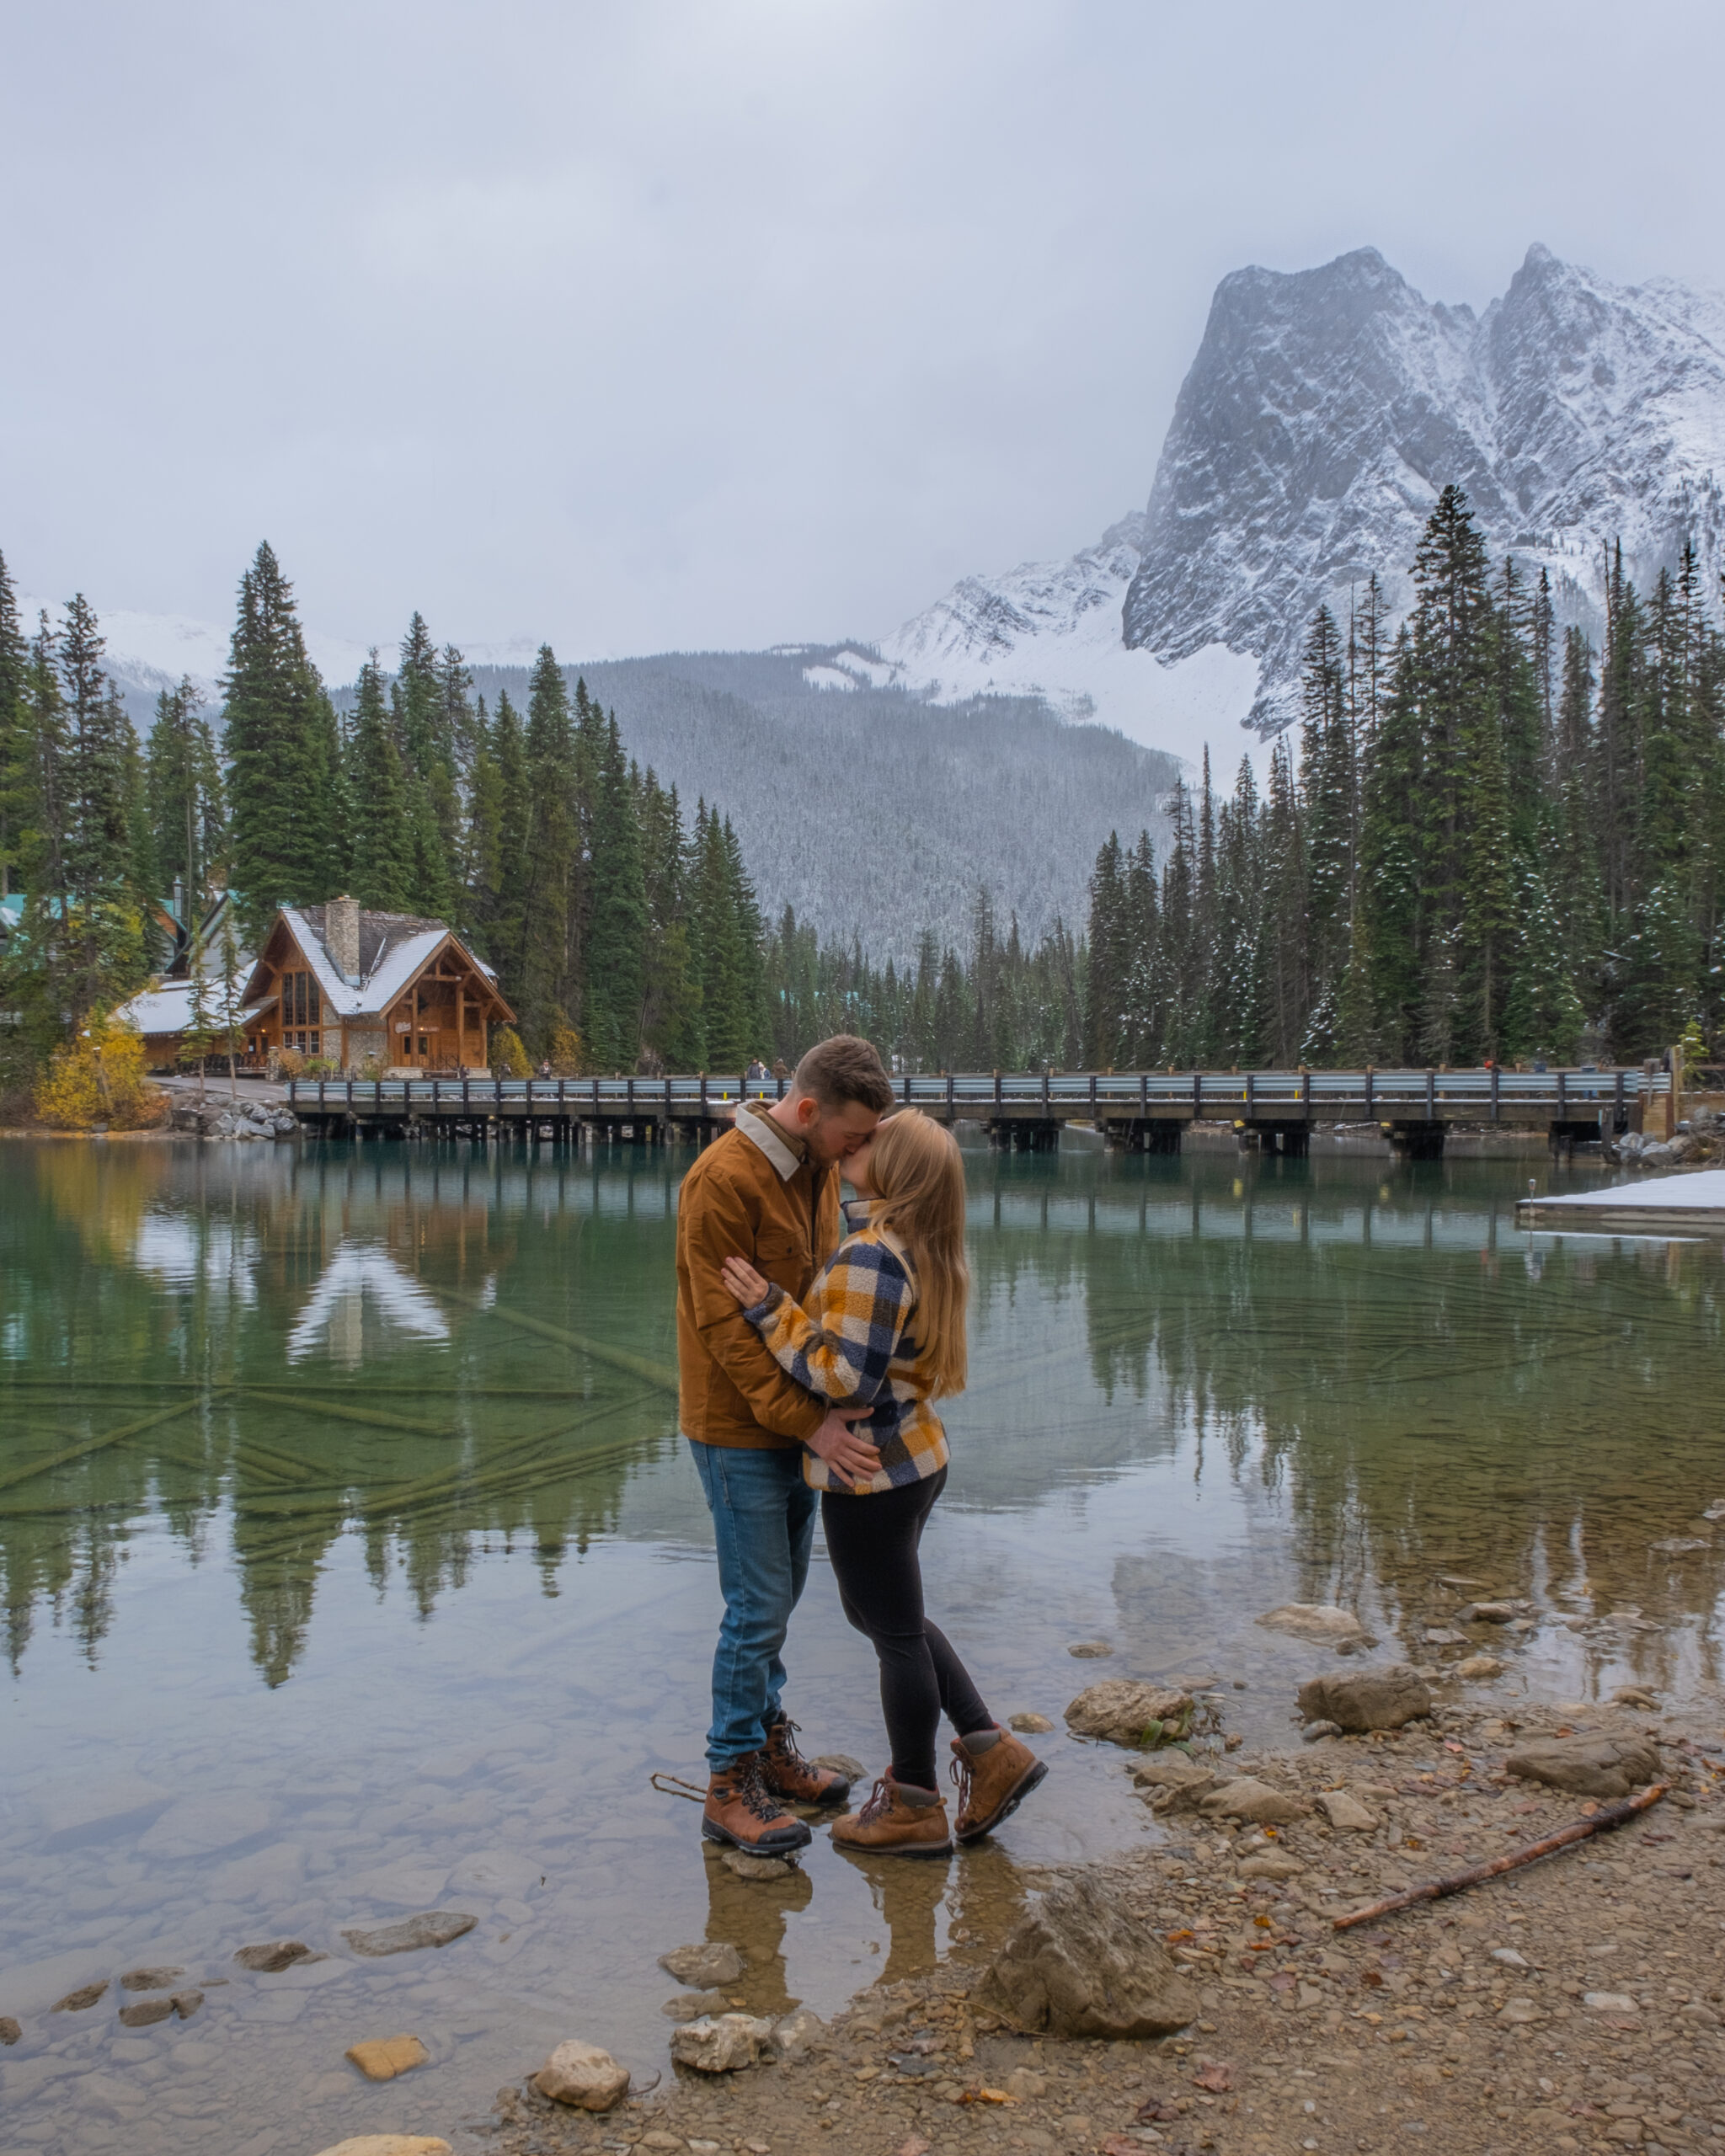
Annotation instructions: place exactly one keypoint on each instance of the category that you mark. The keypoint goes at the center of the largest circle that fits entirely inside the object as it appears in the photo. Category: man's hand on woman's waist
(849, 1458)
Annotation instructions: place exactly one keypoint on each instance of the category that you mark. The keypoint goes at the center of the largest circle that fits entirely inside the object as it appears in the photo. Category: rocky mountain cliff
(1322, 415)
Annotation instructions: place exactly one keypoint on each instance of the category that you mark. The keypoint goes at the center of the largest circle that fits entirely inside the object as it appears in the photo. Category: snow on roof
(168, 1009)
(395, 966)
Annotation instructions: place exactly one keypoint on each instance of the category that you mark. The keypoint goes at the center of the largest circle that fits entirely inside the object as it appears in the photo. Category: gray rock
(149, 1979)
(1345, 1812)
(1586, 1766)
(1382, 1697)
(1172, 1770)
(584, 2076)
(756, 1867)
(715, 1961)
(185, 2004)
(1029, 1725)
(1314, 1731)
(272, 1955)
(1091, 1650)
(1122, 1711)
(145, 2011)
(1322, 1621)
(1479, 1665)
(431, 1928)
(9, 2030)
(1079, 1965)
(79, 2001)
(1270, 1866)
(724, 2045)
(841, 1763)
(694, 2005)
(1248, 1798)
(799, 2033)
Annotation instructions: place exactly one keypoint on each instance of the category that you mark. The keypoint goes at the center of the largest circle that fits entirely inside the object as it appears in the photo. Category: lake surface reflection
(352, 1566)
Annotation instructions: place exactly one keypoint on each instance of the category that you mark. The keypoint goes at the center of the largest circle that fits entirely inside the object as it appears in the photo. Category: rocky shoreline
(1575, 2004)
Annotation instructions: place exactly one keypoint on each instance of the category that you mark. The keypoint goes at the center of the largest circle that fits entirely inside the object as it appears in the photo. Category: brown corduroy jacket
(752, 1194)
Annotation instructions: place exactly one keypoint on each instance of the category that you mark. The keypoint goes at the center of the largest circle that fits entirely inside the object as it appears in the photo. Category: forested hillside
(1500, 844)
(873, 815)
(1497, 842)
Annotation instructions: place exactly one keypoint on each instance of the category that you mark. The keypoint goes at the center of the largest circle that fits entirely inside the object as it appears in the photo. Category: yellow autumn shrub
(508, 1058)
(98, 1076)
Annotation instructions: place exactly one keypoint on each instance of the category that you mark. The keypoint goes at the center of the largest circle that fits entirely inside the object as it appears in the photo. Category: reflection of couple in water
(808, 1359)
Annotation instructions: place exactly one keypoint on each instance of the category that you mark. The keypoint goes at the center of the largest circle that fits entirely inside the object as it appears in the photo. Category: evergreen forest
(1497, 842)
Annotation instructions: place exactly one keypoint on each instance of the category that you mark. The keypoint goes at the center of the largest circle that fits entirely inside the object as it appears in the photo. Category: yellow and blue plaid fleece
(849, 1342)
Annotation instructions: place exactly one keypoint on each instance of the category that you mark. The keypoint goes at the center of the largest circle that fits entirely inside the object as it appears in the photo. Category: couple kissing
(813, 1340)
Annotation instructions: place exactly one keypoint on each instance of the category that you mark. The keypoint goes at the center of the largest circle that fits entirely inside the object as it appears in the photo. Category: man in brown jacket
(766, 1190)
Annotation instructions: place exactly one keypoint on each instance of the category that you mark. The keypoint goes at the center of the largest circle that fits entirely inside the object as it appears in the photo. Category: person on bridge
(768, 1189)
(883, 1329)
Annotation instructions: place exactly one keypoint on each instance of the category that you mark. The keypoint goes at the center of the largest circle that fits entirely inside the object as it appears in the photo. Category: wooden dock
(1134, 1111)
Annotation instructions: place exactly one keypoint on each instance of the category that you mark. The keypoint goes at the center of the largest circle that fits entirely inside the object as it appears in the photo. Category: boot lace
(880, 1802)
(962, 1778)
(752, 1792)
(782, 1738)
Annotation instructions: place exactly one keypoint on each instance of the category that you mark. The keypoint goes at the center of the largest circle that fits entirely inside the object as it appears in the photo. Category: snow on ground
(1702, 1190)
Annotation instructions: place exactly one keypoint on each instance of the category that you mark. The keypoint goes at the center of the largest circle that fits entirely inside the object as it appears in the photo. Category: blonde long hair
(918, 1174)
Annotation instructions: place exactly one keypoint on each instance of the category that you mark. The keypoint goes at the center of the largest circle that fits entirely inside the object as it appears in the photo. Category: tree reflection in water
(266, 1349)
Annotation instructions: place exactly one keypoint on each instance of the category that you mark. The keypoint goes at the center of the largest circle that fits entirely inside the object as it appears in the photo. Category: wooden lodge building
(351, 986)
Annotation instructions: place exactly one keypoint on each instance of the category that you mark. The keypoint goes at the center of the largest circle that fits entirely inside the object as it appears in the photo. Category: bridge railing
(1235, 1096)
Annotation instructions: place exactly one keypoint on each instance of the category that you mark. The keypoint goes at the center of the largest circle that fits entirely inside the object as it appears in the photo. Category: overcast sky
(648, 325)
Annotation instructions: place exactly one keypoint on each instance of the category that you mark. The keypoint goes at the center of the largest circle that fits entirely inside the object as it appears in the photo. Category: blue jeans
(763, 1521)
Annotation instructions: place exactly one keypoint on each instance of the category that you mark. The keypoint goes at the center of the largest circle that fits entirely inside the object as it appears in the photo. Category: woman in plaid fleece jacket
(882, 1327)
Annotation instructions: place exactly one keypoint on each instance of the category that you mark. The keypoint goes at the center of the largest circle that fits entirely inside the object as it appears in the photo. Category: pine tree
(17, 791)
(617, 921)
(426, 785)
(382, 870)
(552, 866)
(103, 920)
(183, 787)
(1108, 978)
(282, 753)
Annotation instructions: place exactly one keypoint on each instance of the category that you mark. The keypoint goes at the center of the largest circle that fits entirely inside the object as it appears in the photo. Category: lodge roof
(394, 948)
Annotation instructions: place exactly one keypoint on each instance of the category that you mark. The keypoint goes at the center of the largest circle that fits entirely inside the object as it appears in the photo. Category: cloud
(730, 321)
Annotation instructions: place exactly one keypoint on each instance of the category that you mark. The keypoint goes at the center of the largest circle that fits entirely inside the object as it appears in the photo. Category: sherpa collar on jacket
(786, 1149)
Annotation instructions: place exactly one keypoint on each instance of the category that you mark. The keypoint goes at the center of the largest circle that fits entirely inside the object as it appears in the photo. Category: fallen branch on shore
(1435, 1890)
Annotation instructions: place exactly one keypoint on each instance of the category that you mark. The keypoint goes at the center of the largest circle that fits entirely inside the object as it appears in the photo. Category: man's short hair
(842, 1069)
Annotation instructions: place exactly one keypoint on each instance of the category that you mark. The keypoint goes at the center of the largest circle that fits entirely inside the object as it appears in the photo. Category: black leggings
(873, 1542)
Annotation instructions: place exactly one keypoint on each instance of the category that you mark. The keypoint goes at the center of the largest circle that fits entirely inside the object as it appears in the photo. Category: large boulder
(1380, 1698)
(1124, 1711)
(1586, 1766)
(584, 2076)
(723, 2045)
(1078, 1964)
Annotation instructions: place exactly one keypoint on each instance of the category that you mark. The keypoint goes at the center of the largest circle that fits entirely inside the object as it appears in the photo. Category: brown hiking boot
(740, 1810)
(788, 1775)
(888, 1826)
(993, 1784)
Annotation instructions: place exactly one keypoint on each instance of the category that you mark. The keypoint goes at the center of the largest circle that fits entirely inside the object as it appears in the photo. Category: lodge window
(302, 1000)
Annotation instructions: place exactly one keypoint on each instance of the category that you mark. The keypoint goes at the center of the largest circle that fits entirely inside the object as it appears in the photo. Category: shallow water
(353, 1566)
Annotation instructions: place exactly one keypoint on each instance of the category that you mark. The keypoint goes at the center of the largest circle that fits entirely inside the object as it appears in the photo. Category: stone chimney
(341, 937)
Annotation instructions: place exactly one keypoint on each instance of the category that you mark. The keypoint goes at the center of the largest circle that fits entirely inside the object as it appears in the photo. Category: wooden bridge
(1140, 1111)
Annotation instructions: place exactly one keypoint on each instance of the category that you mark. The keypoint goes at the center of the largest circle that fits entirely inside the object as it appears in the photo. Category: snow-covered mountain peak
(1323, 413)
